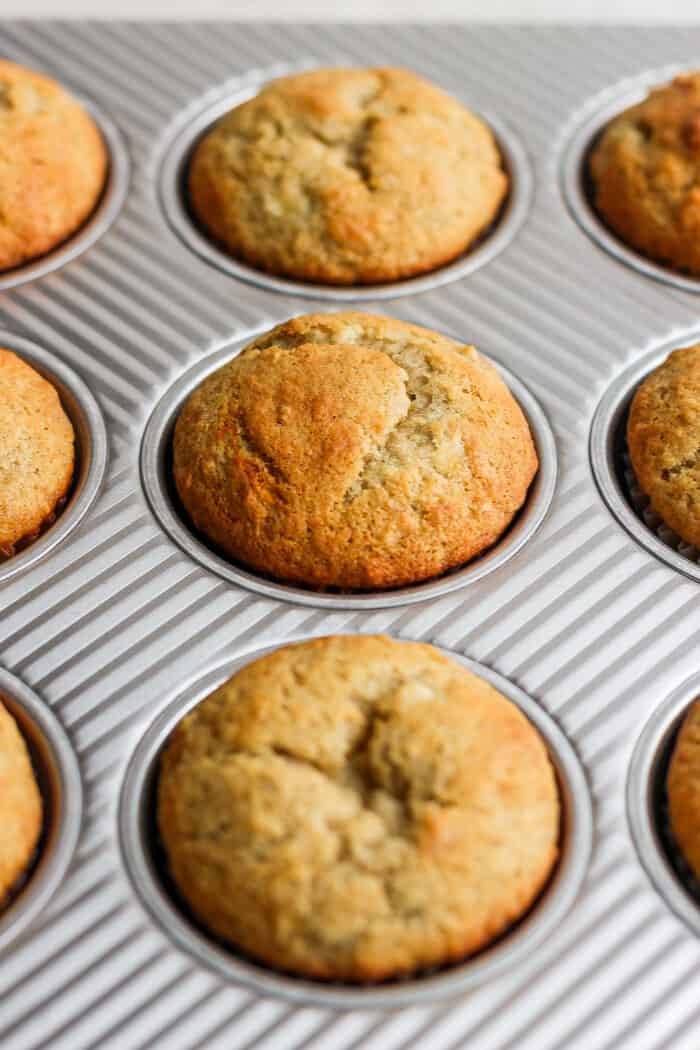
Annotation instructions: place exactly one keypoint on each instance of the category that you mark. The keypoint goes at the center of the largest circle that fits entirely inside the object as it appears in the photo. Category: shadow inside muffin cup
(197, 120)
(146, 863)
(613, 473)
(159, 486)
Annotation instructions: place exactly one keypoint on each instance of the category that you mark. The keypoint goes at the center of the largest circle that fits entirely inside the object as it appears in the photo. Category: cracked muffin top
(683, 788)
(52, 165)
(347, 176)
(20, 805)
(646, 173)
(358, 808)
(36, 453)
(353, 451)
(663, 436)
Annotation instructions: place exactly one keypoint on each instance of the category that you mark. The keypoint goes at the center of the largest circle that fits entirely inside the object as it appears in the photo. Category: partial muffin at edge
(52, 167)
(36, 453)
(20, 805)
(683, 788)
(358, 808)
(663, 436)
(353, 451)
(347, 176)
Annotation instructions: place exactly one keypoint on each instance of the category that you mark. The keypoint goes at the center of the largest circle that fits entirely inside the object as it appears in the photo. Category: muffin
(683, 788)
(36, 453)
(347, 176)
(646, 174)
(352, 451)
(20, 806)
(357, 808)
(52, 168)
(663, 436)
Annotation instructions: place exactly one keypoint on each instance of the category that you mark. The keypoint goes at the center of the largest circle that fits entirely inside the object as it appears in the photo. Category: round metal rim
(154, 449)
(190, 125)
(604, 427)
(67, 787)
(648, 751)
(515, 947)
(91, 436)
(589, 122)
(98, 222)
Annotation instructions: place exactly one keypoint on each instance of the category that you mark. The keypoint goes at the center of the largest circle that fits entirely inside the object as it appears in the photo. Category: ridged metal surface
(109, 624)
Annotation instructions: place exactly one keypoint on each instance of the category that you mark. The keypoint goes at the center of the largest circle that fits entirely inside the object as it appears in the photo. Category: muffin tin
(120, 628)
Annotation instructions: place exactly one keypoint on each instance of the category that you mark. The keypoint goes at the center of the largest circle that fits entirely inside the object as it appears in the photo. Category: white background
(555, 11)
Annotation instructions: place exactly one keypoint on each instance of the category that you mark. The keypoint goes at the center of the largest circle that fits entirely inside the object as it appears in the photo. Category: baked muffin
(347, 176)
(353, 451)
(52, 168)
(663, 436)
(36, 453)
(683, 788)
(357, 808)
(646, 174)
(20, 805)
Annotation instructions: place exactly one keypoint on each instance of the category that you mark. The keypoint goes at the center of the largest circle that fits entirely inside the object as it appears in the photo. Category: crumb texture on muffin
(52, 165)
(353, 451)
(358, 808)
(646, 173)
(683, 788)
(36, 453)
(20, 805)
(663, 436)
(347, 176)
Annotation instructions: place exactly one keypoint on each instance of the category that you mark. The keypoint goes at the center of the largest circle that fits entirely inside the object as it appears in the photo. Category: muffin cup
(100, 219)
(647, 807)
(188, 128)
(144, 861)
(156, 475)
(58, 776)
(90, 448)
(576, 183)
(613, 472)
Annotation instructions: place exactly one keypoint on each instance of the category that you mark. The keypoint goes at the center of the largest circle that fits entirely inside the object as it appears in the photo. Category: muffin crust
(20, 805)
(683, 788)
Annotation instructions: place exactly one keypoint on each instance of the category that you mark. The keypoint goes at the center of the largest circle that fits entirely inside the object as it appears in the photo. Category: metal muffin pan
(576, 181)
(647, 806)
(100, 219)
(58, 775)
(90, 450)
(613, 472)
(156, 474)
(179, 143)
(140, 852)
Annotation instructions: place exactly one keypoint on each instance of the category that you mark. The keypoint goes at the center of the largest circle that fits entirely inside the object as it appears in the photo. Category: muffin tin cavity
(103, 215)
(90, 450)
(184, 133)
(58, 776)
(144, 860)
(156, 472)
(647, 806)
(613, 472)
(576, 183)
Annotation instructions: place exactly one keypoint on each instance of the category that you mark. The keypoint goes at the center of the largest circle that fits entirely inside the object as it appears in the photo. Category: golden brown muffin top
(348, 176)
(52, 164)
(353, 451)
(36, 452)
(357, 807)
(663, 435)
(20, 805)
(683, 788)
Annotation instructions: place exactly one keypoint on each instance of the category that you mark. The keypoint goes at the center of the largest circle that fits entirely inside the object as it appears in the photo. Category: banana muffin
(20, 805)
(353, 451)
(683, 788)
(357, 808)
(646, 174)
(347, 176)
(36, 453)
(52, 167)
(663, 436)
